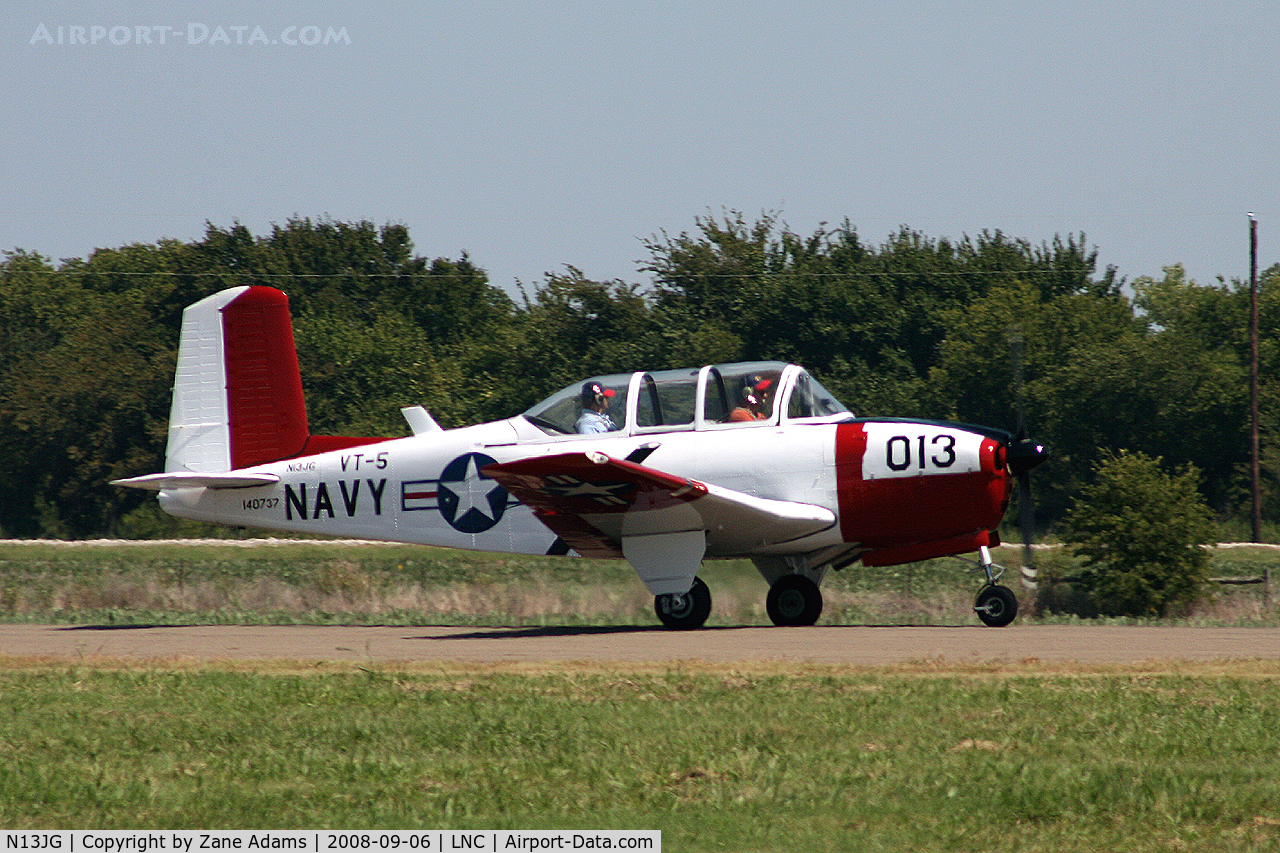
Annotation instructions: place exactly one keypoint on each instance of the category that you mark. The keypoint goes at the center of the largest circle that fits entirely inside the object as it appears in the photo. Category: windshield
(597, 405)
(810, 400)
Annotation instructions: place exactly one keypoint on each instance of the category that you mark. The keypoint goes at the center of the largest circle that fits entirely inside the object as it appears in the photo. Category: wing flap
(600, 502)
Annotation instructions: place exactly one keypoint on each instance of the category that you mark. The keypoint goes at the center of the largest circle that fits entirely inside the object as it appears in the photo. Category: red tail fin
(266, 412)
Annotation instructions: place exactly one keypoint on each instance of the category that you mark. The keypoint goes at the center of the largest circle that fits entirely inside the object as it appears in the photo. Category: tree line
(987, 329)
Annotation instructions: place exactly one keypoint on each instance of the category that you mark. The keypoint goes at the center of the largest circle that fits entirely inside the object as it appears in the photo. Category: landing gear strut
(684, 611)
(996, 605)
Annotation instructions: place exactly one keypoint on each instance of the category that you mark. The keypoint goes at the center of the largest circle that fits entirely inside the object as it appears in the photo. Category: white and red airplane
(664, 469)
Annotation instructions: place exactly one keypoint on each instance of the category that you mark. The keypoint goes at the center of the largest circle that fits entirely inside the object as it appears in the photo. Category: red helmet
(593, 394)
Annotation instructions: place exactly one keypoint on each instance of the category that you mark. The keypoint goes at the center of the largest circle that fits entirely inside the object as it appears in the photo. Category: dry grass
(318, 581)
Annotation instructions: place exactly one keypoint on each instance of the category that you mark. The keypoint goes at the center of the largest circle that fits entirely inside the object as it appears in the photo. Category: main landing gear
(996, 605)
(794, 600)
(684, 611)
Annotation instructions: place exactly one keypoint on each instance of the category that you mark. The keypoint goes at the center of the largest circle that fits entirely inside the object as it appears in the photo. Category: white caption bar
(329, 841)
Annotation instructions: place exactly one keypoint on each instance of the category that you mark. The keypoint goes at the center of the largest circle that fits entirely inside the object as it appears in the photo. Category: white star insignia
(472, 493)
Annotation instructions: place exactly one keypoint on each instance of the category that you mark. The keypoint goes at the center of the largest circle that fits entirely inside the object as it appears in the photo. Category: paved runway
(862, 646)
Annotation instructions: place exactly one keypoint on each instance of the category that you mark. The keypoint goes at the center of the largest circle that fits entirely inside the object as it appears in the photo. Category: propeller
(1023, 455)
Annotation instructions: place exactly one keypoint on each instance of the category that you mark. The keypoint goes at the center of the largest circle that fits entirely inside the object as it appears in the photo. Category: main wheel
(794, 600)
(996, 606)
(684, 611)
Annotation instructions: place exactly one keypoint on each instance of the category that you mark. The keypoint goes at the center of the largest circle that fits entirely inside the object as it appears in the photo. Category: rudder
(237, 391)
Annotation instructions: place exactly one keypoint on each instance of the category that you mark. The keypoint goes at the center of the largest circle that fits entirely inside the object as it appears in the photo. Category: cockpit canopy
(718, 396)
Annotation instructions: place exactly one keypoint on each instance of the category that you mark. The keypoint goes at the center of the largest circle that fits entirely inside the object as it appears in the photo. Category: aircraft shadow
(549, 631)
(599, 630)
(109, 627)
(573, 631)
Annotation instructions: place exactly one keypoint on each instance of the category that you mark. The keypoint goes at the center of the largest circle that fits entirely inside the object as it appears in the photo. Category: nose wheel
(996, 605)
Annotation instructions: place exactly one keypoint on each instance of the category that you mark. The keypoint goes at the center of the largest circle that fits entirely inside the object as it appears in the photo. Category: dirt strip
(864, 646)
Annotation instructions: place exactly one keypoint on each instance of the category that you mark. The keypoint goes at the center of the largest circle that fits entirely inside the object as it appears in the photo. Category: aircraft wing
(195, 480)
(661, 523)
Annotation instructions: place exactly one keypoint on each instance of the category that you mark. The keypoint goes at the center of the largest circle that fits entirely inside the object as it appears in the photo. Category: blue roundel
(470, 501)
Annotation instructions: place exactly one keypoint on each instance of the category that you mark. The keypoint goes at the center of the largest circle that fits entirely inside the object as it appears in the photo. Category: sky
(536, 136)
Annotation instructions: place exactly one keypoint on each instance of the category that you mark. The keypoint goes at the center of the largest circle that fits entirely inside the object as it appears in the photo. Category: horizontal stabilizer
(194, 480)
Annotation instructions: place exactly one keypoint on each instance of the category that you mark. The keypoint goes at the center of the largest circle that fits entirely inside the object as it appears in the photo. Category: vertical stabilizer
(237, 393)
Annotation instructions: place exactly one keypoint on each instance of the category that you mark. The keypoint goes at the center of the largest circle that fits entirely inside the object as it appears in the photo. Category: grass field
(766, 757)
(770, 758)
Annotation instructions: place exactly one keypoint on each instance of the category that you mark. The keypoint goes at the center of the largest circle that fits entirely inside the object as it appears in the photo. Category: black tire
(996, 606)
(684, 611)
(794, 601)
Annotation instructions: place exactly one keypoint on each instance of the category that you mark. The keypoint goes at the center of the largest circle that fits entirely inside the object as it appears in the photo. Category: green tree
(1065, 337)
(570, 328)
(1201, 344)
(870, 321)
(89, 408)
(1142, 534)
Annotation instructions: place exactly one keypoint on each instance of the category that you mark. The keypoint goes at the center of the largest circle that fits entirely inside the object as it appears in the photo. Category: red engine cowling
(913, 490)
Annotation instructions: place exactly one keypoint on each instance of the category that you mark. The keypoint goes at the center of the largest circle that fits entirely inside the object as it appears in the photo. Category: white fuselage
(427, 489)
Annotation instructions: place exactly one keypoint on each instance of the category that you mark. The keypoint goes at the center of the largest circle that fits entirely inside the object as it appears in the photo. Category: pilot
(754, 397)
(595, 409)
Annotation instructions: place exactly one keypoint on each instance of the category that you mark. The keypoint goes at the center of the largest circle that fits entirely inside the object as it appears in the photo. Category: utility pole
(1255, 465)
(1253, 379)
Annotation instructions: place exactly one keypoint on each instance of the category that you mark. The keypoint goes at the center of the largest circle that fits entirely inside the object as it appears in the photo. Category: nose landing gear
(995, 605)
